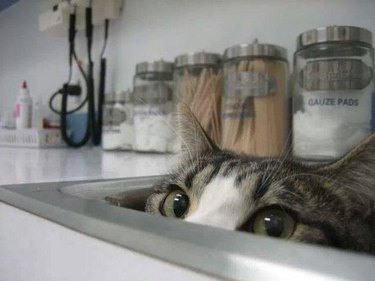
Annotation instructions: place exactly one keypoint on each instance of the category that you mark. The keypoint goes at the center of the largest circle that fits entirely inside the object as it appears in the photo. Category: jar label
(250, 84)
(238, 108)
(158, 92)
(335, 74)
(145, 110)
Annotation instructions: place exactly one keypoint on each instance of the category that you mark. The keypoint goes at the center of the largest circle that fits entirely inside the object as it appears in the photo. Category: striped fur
(332, 204)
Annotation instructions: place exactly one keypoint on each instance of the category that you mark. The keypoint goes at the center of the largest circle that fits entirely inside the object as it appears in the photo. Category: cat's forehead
(251, 181)
(229, 164)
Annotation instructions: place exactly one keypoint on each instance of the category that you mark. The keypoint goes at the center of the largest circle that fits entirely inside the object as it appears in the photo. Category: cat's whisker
(268, 175)
(286, 152)
(176, 130)
(185, 147)
(269, 162)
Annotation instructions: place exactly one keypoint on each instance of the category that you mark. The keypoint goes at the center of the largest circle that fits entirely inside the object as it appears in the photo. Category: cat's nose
(216, 220)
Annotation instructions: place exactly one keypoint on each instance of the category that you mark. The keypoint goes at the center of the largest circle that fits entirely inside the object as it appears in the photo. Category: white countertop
(30, 165)
(53, 252)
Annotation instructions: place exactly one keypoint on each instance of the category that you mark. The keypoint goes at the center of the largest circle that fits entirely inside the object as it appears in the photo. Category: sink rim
(205, 249)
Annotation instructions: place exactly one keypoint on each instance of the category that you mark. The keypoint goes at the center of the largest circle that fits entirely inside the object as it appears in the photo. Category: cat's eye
(273, 222)
(175, 204)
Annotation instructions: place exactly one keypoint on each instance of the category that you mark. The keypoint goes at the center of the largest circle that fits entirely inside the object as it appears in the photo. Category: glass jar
(198, 83)
(333, 91)
(107, 130)
(125, 120)
(153, 107)
(255, 102)
(118, 121)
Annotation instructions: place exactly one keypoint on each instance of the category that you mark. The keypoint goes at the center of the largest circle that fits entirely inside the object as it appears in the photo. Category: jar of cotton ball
(154, 105)
(108, 133)
(198, 82)
(333, 91)
(123, 118)
(117, 133)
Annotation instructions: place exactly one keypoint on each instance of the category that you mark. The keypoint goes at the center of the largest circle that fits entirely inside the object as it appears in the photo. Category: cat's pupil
(274, 225)
(180, 204)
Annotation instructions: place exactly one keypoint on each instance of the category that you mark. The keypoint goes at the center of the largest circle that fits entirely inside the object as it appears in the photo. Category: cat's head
(330, 205)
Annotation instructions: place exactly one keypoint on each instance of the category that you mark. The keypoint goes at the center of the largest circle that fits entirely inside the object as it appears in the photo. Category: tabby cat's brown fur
(331, 204)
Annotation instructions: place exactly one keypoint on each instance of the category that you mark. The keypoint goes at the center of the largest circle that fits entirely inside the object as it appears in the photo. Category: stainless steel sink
(131, 193)
(223, 254)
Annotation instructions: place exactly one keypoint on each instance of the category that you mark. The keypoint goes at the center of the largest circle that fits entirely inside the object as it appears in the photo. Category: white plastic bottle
(24, 108)
(38, 113)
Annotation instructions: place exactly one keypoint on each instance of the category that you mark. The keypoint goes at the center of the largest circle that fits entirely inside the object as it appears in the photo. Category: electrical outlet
(56, 19)
(80, 3)
(101, 9)
(49, 4)
(106, 10)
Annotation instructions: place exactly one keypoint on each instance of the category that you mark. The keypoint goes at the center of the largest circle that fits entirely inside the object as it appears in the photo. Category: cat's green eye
(273, 222)
(175, 204)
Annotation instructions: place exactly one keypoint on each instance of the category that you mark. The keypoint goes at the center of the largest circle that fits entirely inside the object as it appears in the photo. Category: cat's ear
(356, 170)
(194, 139)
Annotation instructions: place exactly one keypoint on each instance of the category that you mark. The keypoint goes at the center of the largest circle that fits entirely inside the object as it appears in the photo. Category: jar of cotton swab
(254, 115)
(198, 83)
(153, 107)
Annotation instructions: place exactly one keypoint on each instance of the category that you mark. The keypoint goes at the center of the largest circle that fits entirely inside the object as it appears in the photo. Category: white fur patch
(221, 205)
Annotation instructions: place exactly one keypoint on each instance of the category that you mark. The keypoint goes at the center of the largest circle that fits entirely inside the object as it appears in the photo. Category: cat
(331, 204)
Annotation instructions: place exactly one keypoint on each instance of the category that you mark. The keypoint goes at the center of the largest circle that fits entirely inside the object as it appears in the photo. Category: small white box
(31, 138)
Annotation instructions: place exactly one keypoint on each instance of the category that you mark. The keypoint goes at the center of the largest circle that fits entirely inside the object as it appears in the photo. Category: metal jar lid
(255, 49)
(198, 58)
(334, 34)
(153, 66)
(120, 96)
(128, 95)
(123, 96)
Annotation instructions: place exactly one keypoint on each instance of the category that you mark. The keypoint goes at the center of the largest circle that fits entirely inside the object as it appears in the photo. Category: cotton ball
(152, 129)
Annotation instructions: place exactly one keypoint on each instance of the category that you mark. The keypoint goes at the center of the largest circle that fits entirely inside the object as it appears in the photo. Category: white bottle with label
(24, 107)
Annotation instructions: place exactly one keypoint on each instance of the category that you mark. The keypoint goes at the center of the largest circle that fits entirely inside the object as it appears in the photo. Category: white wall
(154, 29)
(39, 58)
(27, 54)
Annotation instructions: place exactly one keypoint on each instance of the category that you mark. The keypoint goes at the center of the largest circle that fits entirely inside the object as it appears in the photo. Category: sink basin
(130, 194)
(84, 206)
